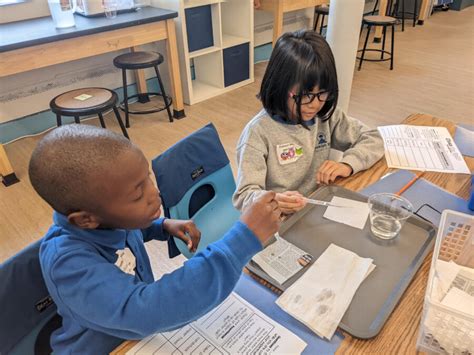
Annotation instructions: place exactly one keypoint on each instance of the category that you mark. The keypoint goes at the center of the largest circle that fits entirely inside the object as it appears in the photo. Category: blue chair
(28, 312)
(196, 182)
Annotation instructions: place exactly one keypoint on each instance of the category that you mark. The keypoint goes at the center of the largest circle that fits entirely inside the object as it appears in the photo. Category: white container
(447, 327)
(62, 12)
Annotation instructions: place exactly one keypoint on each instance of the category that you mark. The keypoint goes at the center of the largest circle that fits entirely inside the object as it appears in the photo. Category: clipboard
(396, 260)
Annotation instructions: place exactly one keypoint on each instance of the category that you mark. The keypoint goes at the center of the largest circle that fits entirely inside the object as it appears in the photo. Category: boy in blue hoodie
(93, 257)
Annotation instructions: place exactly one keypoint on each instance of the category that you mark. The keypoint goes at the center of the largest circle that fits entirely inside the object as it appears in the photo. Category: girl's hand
(330, 170)
(290, 201)
(184, 230)
(256, 4)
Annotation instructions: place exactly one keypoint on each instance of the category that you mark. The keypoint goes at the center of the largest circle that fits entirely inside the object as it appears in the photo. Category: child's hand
(184, 230)
(256, 4)
(262, 216)
(290, 201)
(330, 170)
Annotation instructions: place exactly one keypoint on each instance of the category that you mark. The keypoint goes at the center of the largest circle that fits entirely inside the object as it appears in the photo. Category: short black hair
(303, 59)
(67, 163)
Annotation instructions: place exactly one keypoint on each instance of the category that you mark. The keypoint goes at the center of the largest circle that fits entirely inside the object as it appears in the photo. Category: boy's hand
(184, 230)
(290, 201)
(262, 216)
(330, 170)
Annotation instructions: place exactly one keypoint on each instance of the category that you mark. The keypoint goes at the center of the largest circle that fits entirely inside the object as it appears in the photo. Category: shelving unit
(218, 64)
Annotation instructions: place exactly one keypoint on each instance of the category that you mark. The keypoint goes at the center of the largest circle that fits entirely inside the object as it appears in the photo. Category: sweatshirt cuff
(353, 162)
(241, 244)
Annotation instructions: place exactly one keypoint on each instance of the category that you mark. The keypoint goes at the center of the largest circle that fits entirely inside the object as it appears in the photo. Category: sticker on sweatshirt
(289, 153)
(126, 261)
(322, 141)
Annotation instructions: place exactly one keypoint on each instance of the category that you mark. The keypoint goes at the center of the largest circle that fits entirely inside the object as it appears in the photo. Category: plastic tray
(396, 260)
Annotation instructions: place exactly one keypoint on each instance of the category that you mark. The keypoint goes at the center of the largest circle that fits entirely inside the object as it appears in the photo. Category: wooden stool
(323, 11)
(384, 21)
(85, 102)
(141, 60)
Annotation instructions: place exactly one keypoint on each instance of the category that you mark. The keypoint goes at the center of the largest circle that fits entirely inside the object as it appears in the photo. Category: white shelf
(232, 25)
(195, 3)
(203, 91)
(203, 51)
(230, 40)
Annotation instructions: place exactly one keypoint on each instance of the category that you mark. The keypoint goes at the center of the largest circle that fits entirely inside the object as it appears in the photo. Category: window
(10, 2)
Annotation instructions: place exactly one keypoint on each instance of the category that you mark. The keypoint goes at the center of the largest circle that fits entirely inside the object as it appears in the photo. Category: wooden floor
(434, 74)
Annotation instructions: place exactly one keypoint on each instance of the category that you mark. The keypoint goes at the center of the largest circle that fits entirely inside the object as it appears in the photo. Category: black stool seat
(85, 102)
(379, 20)
(138, 60)
(323, 10)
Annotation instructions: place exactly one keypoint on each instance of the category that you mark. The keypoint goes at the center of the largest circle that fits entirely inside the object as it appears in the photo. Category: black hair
(303, 59)
(68, 163)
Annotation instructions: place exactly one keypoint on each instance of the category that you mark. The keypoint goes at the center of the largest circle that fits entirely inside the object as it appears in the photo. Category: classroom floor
(434, 74)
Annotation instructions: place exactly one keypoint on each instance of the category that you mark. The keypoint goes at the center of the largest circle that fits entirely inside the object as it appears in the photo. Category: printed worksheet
(234, 327)
(281, 259)
(422, 148)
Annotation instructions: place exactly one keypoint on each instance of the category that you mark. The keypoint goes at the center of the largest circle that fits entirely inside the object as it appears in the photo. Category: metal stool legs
(125, 97)
(165, 98)
(365, 46)
(120, 122)
(392, 47)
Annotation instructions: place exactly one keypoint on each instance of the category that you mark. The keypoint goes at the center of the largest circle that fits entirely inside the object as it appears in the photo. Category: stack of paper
(322, 295)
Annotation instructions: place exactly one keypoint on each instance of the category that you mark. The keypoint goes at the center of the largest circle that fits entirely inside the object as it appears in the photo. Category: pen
(409, 183)
(322, 203)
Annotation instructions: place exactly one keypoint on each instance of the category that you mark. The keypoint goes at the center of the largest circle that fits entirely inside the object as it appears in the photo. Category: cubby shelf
(220, 36)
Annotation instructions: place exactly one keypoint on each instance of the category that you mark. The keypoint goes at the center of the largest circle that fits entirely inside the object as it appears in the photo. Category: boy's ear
(84, 220)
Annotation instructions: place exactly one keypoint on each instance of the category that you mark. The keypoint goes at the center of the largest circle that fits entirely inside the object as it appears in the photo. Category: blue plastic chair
(196, 182)
(28, 312)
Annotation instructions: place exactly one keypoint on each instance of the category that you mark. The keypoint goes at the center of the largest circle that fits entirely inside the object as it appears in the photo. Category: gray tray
(396, 261)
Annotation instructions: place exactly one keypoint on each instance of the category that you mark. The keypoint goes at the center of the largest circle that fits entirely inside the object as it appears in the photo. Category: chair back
(196, 182)
(28, 312)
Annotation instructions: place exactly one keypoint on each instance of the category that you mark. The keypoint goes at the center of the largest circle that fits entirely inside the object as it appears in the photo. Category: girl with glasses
(285, 147)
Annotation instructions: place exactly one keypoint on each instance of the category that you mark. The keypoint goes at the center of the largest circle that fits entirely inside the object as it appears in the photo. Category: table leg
(172, 50)
(277, 21)
(382, 11)
(424, 11)
(6, 170)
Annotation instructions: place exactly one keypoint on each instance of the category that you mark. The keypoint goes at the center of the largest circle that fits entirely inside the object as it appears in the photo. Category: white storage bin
(447, 324)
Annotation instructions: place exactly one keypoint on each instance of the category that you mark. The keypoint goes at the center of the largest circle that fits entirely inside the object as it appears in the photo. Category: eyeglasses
(307, 98)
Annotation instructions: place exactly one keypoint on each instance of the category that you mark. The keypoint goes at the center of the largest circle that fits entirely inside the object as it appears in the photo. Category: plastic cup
(110, 8)
(388, 213)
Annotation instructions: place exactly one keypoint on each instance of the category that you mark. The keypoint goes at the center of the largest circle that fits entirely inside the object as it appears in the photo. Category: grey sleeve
(362, 146)
(252, 169)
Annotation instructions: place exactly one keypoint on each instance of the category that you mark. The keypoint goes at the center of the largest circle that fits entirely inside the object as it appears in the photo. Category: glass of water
(388, 213)
(110, 8)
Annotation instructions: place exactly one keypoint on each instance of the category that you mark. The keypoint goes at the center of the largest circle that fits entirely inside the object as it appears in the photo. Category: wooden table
(280, 7)
(34, 44)
(399, 334)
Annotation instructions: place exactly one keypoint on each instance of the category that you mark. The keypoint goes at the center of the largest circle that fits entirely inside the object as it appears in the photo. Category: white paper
(355, 215)
(322, 295)
(233, 327)
(280, 259)
(422, 148)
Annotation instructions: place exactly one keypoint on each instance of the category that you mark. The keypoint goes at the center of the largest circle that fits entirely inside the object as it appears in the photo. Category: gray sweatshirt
(274, 155)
